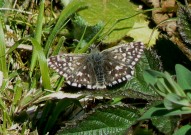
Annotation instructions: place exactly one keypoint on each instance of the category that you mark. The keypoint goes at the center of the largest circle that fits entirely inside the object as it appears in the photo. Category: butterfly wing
(119, 62)
(76, 69)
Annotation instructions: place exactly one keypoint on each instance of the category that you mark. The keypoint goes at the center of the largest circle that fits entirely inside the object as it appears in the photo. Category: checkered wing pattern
(74, 67)
(97, 70)
(119, 62)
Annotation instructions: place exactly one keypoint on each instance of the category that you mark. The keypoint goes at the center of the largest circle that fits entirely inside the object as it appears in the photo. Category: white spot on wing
(124, 54)
(118, 67)
(119, 80)
(133, 63)
(114, 82)
(89, 86)
(79, 74)
(79, 85)
(128, 76)
(123, 78)
(74, 84)
(69, 82)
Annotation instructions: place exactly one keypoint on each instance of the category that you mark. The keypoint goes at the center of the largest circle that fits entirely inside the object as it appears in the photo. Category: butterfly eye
(92, 47)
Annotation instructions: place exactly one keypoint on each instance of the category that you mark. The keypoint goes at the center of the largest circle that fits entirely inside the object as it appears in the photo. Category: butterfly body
(97, 70)
(96, 60)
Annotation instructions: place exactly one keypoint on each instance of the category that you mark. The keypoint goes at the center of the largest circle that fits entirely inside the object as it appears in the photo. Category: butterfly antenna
(98, 44)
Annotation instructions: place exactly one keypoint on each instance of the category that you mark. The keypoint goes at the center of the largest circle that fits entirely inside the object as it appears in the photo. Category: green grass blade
(3, 66)
(59, 84)
(38, 33)
(59, 45)
(80, 42)
(13, 47)
(68, 11)
(42, 62)
(18, 89)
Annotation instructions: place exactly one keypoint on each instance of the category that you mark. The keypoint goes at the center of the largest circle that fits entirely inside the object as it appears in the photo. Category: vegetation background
(35, 100)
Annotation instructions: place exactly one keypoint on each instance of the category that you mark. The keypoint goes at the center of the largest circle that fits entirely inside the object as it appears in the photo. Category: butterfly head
(94, 48)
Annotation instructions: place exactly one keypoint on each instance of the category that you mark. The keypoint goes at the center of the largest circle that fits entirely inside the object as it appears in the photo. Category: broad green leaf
(158, 110)
(163, 83)
(183, 76)
(161, 111)
(184, 22)
(138, 84)
(81, 27)
(173, 101)
(161, 87)
(170, 105)
(109, 12)
(142, 32)
(105, 120)
(151, 76)
(178, 100)
(175, 88)
(154, 61)
(84, 33)
(165, 125)
(185, 130)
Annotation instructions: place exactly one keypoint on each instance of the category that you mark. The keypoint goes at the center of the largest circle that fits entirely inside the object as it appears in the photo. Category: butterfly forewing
(75, 69)
(119, 62)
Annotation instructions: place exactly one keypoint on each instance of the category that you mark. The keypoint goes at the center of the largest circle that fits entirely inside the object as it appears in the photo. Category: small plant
(176, 94)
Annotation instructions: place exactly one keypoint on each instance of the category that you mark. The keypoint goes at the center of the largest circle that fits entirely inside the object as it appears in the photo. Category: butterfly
(97, 70)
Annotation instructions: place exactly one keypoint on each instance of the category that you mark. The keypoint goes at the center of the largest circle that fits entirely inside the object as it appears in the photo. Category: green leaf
(184, 22)
(3, 65)
(183, 76)
(81, 27)
(175, 99)
(110, 12)
(105, 120)
(185, 130)
(18, 89)
(59, 46)
(160, 110)
(42, 62)
(165, 125)
(38, 33)
(151, 76)
(173, 86)
(163, 83)
(141, 32)
(138, 83)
